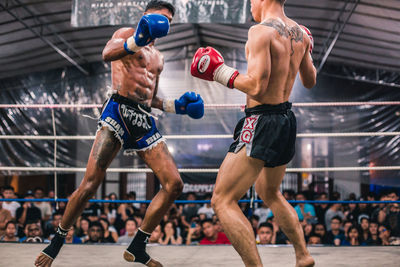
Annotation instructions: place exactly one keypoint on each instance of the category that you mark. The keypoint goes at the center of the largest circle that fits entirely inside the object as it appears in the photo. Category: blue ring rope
(200, 201)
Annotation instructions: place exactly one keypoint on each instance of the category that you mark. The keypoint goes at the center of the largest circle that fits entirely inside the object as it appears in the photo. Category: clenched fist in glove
(189, 103)
(208, 64)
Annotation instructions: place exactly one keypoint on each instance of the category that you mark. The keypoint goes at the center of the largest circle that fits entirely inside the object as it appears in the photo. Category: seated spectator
(170, 236)
(124, 212)
(96, 233)
(130, 231)
(288, 194)
(320, 230)
(206, 208)
(320, 209)
(139, 219)
(218, 225)
(71, 238)
(335, 236)
(82, 230)
(92, 211)
(352, 212)
(353, 237)
(211, 235)
(189, 210)
(254, 221)
(194, 234)
(53, 205)
(110, 234)
(156, 235)
(384, 235)
(110, 211)
(281, 238)
(373, 239)
(245, 207)
(33, 233)
(45, 207)
(334, 211)
(364, 209)
(392, 219)
(314, 239)
(142, 210)
(265, 234)
(307, 229)
(263, 212)
(11, 206)
(304, 211)
(5, 216)
(28, 211)
(10, 234)
(51, 226)
(364, 227)
(346, 226)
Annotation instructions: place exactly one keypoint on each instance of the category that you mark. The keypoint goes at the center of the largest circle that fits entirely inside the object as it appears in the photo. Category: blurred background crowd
(334, 224)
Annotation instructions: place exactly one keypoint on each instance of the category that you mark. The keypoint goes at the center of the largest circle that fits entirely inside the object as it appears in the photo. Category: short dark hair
(157, 5)
(206, 221)
(11, 222)
(133, 220)
(8, 187)
(96, 224)
(56, 213)
(337, 218)
(266, 224)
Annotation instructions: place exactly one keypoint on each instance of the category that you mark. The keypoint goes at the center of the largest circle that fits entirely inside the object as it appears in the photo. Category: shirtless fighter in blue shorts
(277, 49)
(126, 121)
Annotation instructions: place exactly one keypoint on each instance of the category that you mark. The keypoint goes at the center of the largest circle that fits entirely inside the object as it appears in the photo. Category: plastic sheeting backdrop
(69, 86)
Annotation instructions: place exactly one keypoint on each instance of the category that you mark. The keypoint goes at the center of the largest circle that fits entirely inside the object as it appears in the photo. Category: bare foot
(306, 261)
(130, 258)
(43, 261)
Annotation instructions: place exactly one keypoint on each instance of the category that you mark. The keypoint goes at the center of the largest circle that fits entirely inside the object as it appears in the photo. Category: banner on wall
(86, 13)
(198, 182)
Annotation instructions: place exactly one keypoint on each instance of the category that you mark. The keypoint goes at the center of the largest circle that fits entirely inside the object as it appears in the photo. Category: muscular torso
(136, 76)
(287, 48)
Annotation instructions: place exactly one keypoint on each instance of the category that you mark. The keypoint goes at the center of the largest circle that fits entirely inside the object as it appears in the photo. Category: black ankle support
(53, 249)
(138, 247)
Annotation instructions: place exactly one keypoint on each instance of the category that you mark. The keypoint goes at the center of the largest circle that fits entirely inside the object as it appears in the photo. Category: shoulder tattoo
(294, 33)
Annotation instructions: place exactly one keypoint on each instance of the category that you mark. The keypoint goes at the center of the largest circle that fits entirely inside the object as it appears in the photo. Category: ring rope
(147, 170)
(306, 104)
(205, 201)
(216, 136)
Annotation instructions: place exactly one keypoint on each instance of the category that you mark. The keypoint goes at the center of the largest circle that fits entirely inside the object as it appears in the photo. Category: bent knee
(89, 187)
(175, 187)
(271, 196)
(219, 201)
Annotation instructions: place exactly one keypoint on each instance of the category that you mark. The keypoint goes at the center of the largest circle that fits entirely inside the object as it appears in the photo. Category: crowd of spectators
(335, 224)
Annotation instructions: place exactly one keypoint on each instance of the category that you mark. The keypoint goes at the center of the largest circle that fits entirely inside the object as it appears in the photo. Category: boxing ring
(17, 255)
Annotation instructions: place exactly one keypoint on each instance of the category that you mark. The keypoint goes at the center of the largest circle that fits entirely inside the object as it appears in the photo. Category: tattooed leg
(104, 150)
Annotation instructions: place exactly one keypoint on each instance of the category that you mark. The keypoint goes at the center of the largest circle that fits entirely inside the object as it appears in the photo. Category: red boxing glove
(208, 64)
(308, 32)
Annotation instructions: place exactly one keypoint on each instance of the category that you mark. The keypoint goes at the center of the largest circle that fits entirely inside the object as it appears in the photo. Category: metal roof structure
(36, 35)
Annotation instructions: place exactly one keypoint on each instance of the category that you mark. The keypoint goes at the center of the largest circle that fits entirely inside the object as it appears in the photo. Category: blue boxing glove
(189, 103)
(150, 27)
